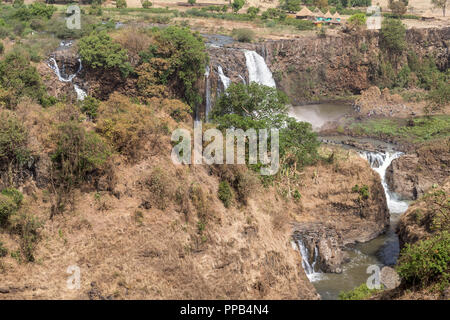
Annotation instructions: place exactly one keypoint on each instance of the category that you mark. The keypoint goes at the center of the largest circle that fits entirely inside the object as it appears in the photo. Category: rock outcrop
(412, 175)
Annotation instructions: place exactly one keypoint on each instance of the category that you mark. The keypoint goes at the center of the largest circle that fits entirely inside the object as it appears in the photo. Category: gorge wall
(321, 68)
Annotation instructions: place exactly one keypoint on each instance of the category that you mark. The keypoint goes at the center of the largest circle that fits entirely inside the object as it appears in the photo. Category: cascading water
(208, 93)
(379, 162)
(309, 267)
(257, 69)
(81, 94)
(225, 80)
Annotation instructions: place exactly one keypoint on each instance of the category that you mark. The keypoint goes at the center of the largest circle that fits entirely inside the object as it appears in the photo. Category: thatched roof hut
(337, 17)
(304, 13)
(427, 15)
(328, 15)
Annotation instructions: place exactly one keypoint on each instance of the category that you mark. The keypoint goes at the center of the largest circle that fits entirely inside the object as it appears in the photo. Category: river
(381, 251)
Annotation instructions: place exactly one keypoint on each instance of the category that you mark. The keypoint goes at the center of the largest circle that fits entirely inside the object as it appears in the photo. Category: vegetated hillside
(424, 263)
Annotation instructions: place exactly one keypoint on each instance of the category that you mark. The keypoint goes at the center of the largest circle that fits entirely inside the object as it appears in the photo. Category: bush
(78, 152)
(121, 4)
(13, 140)
(2, 47)
(252, 12)
(159, 186)
(3, 250)
(243, 35)
(19, 78)
(357, 20)
(237, 5)
(14, 194)
(146, 4)
(7, 208)
(27, 227)
(90, 106)
(290, 5)
(359, 293)
(225, 194)
(128, 127)
(439, 96)
(426, 261)
(100, 51)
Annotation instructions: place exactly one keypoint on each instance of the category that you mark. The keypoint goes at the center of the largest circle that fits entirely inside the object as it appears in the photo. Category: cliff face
(313, 68)
(414, 174)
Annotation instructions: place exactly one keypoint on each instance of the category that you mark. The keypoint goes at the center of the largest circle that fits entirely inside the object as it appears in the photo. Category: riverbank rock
(411, 175)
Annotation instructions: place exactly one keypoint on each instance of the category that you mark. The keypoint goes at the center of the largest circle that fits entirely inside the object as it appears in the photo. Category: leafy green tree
(146, 4)
(237, 5)
(179, 59)
(192, 2)
(398, 8)
(98, 50)
(290, 5)
(393, 35)
(255, 101)
(357, 20)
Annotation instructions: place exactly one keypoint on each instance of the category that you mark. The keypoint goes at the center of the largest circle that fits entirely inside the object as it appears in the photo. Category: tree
(290, 5)
(252, 12)
(393, 34)
(442, 4)
(255, 101)
(192, 2)
(237, 5)
(100, 51)
(398, 7)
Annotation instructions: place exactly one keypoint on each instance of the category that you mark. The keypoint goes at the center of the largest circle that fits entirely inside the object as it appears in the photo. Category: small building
(328, 17)
(427, 15)
(336, 18)
(305, 13)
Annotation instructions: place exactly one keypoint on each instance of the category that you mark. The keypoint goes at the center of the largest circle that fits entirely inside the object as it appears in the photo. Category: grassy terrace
(417, 130)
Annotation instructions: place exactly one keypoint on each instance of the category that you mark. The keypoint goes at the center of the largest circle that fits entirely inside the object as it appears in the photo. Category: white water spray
(81, 94)
(257, 69)
(225, 80)
(306, 264)
(379, 162)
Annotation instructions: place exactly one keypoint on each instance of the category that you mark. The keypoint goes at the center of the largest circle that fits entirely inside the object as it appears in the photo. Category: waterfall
(307, 266)
(208, 93)
(225, 80)
(257, 69)
(380, 162)
(81, 94)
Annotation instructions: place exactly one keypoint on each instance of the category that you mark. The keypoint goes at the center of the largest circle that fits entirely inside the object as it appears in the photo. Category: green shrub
(439, 96)
(225, 194)
(243, 35)
(3, 250)
(2, 47)
(237, 5)
(27, 227)
(359, 293)
(90, 107)
(13, 140)
(363, 191)
(426, 261)
(146, 4)
(252, 12)
(19, 78)
(7, 208)
(14, 194)
(358, 20)
(121, 4)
